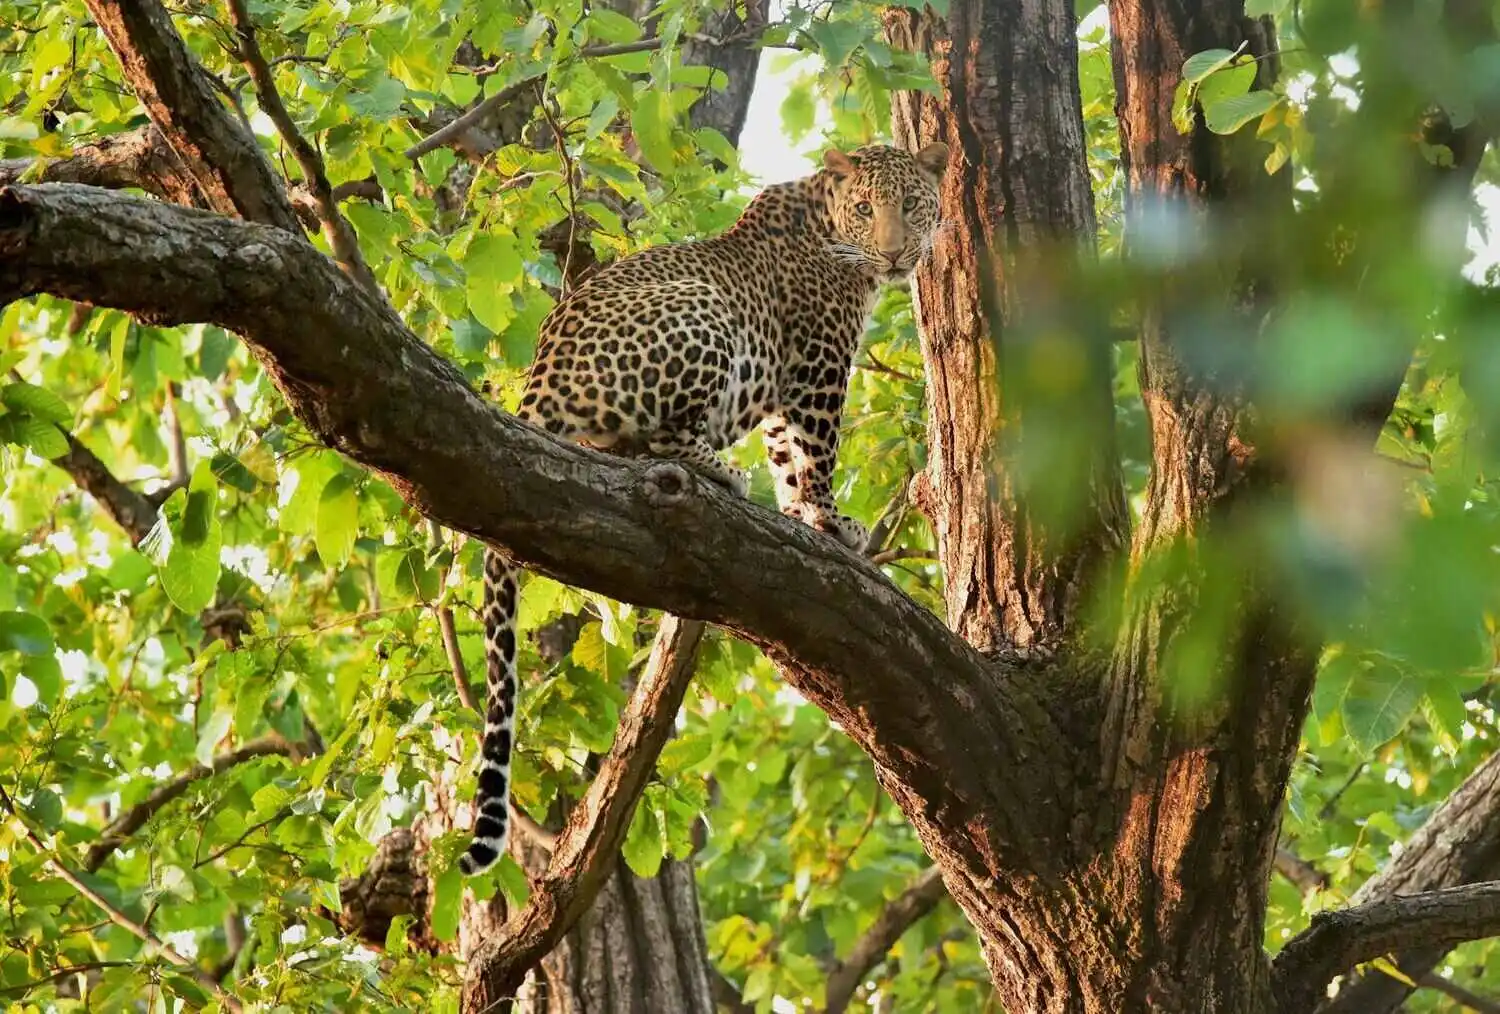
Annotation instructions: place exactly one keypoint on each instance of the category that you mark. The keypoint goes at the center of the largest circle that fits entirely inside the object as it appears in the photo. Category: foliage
(114, 676)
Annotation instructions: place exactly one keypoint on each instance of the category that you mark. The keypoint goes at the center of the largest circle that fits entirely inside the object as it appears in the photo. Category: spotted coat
(679, 351)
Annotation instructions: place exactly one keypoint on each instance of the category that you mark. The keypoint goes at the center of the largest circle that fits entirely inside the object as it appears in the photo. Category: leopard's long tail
(492, 801)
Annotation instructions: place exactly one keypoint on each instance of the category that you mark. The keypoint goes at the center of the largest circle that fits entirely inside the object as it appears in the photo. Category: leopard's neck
(800, 207)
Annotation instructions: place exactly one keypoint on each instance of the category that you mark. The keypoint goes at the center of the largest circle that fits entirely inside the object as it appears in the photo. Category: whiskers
(849, 253)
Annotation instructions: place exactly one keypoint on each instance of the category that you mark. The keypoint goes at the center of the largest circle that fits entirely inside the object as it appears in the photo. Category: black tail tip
(477, 859)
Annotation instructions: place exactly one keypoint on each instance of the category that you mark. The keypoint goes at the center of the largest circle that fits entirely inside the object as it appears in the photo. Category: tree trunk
(1152, 895)
(641, 950)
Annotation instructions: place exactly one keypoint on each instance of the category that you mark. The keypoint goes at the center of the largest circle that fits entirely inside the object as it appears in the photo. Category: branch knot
(666, 484)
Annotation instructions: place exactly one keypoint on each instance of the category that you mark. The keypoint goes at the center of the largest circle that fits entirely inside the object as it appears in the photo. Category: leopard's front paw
(842, 527)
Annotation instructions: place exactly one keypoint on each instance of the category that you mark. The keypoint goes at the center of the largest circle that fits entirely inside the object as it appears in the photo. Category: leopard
(678, 351)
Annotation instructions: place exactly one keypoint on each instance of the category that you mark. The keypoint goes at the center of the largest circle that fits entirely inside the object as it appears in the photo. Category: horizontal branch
(1337, 941)
(135, 158)
(898, 916)
(1458, 844)
(133, 819)
(369, 388)
(1302, 875)
(581, 855)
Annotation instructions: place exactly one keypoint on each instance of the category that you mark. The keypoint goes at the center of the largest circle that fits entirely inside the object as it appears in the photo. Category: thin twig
(1452, 990)
(876, 366)
(133, 819)
(154, 944)
(903, 553)
(336, 230)
(63, 973)
(510, 92)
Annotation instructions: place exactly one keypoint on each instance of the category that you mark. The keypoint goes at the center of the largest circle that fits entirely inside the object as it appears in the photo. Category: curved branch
(1337, 941)
(153, 944)
(896, 918)
(366, 386)
(133, 819)
(581, 856)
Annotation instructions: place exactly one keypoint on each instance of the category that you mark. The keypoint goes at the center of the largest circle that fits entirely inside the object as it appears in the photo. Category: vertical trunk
(1020, 211)
(1155, 898)
(641, 950)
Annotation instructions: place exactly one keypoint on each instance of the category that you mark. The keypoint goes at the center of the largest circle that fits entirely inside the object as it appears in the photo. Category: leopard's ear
(837, 162)
(933, 159)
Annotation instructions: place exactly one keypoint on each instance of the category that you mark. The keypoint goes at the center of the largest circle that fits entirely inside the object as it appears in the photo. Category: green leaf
(1200, 65)
(26, 633)
(41, 436)
(651, 123)
(46, 674)
(493, 270)
(338, 521)
(643, 850)
(214, 729)
(836, 40)
(191, 572)
(1229, 115)
(1379, 702)
(38, 401)
(447, 897)
(798, 111)
(1226, 84)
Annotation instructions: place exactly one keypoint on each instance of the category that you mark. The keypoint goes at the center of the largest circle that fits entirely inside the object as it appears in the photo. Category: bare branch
(133, 819)
(131, 510)
(1337, 941)
(336, 230)
(62, 973)
(581, 855)
(1473, 1001)
(154, 944)
(1302, 874)
(136, 158)
(898, 916)
(368, 387)
(231, 173)
(1459, 844)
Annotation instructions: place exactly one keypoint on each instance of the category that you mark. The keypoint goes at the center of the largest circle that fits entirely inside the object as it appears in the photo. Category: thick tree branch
(230, 171)
(133, 819)
(898, 916)
(366, 386)
(1337, 941)
(154, 945)
(582, 854)
(1459, 844)
(336, 230)
(136, 158)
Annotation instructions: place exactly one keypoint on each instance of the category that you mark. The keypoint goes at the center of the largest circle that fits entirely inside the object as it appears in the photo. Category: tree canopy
(234, 646)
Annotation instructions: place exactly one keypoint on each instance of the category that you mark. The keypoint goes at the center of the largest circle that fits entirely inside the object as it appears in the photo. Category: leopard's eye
(864, 209)
(910, 204)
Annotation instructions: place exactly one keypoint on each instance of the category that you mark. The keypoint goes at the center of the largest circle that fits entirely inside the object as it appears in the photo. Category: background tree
(236, 723)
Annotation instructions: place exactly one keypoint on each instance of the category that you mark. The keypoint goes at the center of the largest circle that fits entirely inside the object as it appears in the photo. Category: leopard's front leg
(803, 446)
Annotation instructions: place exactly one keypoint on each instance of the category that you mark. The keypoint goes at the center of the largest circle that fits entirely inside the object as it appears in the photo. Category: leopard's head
(885, 206)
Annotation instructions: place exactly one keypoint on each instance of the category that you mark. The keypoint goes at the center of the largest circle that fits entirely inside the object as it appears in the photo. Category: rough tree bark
(1111, 846)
